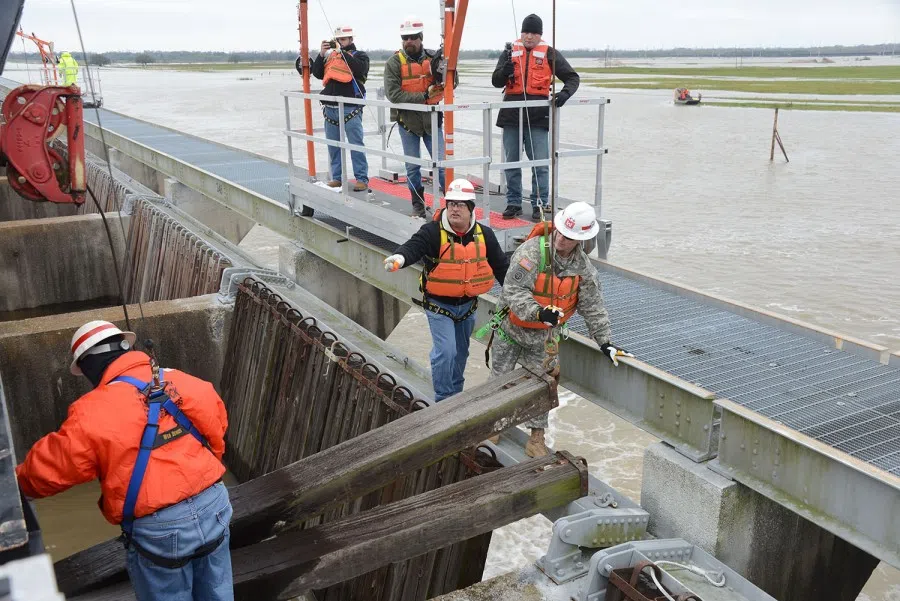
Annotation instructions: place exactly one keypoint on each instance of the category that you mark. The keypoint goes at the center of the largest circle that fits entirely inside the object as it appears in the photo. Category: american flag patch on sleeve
(528, 265)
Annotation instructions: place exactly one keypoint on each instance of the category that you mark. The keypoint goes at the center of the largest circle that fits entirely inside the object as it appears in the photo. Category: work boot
(536, 447)
(512, 211)
(418, 203)
(360, 186)
(335, 183)
(536, 213)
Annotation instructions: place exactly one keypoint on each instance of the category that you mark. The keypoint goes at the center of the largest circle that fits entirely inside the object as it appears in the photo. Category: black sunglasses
(414, 36)
(457, 203)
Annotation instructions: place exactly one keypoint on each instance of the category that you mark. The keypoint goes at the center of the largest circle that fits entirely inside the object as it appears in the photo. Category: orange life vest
(460, 269)
(534, 65)
(549, 289)
(415, 77)
(337, 69)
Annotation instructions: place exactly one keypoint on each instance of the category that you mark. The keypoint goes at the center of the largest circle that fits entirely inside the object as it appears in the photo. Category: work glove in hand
(560, 98)
(550, 316)
(394, 262)
(509, 69)
(612, 352)
(434, 95)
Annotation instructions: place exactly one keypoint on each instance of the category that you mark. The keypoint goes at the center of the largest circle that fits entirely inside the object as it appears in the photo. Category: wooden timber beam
(293, 562)
(349, 470)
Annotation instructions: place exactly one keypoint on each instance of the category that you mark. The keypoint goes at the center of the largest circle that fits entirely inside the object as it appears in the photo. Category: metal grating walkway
(838, 398)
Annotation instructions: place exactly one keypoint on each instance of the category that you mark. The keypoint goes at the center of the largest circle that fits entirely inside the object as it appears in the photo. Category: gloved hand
(434, 94)
(509, 69)
(612, 352)
(394, 262)
(550, 316)
(560, 98)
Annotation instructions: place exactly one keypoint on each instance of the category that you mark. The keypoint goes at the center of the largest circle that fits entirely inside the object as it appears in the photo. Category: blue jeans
(412, 148)
(537, 147)
(354, 132)
(178, 531)
(450, 348)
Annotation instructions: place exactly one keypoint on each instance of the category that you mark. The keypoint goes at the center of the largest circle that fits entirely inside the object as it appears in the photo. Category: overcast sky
(233, 25)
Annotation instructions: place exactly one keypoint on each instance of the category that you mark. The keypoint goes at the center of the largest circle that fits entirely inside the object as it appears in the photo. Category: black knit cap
(533, 24)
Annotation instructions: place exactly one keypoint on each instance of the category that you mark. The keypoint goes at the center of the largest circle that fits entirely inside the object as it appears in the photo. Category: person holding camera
(343, 70)
(525, 71)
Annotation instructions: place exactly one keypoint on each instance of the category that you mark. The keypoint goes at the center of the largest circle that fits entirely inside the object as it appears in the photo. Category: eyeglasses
(456, 203)
(414, 36)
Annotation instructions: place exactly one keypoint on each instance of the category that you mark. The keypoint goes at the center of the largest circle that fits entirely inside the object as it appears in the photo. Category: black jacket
(427, 243)
(539, 116)
(359, 66)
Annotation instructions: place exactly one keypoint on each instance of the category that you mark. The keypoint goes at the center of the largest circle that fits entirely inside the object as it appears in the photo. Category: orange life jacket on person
(460, 269)
(549, 289)
(337, 69)
(534, 66)
(415, 77)
(102, 433)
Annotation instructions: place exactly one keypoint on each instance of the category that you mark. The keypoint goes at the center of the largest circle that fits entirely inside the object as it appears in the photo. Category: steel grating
(838, 398)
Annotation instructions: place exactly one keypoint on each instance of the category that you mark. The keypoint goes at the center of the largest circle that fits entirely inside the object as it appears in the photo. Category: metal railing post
(287, 119)
(554, 148)
(598, 183)
(486, 168)
(382, 127)
(435, 156)
(345, 179)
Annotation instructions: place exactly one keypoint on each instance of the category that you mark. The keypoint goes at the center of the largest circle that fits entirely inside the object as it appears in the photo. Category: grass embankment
(817, 82)
(891, 72)
(823, 87)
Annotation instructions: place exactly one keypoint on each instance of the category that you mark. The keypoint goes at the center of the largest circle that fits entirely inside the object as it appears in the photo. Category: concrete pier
(50, 262)
(370, 307)
(190, 334)
(784, 554)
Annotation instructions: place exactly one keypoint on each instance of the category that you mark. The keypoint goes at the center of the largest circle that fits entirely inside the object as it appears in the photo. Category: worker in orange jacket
(157, 451)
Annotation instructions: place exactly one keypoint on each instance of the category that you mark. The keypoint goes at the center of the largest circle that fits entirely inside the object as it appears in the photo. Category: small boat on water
(683, 96)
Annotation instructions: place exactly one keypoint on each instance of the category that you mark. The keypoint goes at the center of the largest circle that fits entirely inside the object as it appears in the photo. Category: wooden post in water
(777, 137)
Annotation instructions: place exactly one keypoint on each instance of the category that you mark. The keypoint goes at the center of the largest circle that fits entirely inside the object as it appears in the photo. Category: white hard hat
(411, 26)
(89, 336)
(461, 189)
(577, 221)
(343, 32)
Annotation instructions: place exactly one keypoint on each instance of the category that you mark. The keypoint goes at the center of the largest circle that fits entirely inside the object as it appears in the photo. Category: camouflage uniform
(527, 345)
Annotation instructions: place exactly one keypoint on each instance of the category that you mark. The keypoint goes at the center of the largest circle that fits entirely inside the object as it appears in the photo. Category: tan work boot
(360, 186)
(536, 447)
(335, 183)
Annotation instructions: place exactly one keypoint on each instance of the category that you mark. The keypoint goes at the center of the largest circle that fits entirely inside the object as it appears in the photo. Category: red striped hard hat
(343, 32)
(460, 189)
(90, 335)
(412, 26)
(578, 221)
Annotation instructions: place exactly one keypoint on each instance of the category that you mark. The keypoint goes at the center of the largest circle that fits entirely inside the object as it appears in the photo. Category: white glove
(394, 262)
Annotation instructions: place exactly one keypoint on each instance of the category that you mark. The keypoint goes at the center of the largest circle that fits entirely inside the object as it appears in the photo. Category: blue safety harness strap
(156, 401)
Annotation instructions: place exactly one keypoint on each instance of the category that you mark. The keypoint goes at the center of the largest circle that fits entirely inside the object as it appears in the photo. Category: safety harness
(358, 109)
(430, 306)
(157, 400)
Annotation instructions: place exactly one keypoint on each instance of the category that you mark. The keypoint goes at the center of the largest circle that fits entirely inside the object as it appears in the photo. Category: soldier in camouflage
(535, 305)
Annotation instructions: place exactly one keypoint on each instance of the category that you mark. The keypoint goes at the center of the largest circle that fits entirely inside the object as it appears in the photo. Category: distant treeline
(187, 56)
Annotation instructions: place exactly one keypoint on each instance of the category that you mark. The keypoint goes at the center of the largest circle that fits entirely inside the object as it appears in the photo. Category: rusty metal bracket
(591, 529)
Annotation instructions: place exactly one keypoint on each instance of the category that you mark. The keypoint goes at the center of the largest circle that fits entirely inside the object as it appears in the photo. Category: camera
(332, 44)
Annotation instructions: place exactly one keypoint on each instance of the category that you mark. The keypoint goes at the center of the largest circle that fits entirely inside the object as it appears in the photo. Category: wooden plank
(351, 469)
(294, 562)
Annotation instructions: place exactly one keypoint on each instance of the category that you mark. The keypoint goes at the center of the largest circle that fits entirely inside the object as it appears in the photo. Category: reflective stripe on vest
(534, 65)
(549, 289)
(460, 269)
(415, 77)
(337, 69)
(149, 440)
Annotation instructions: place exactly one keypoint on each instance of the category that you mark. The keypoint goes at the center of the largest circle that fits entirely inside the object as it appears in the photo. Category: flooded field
(692, 196)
